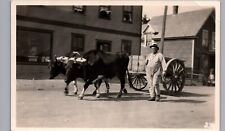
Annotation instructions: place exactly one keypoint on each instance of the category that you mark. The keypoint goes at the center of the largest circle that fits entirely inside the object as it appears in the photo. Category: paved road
(41, 103)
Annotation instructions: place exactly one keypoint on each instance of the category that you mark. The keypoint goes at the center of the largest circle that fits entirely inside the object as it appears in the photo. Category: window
(126, 46)
(103, 45)
(212, 46)
(77, 42)
(79, 9)
(33, 45)
(127, 14)
(205, 38)
(104, 12)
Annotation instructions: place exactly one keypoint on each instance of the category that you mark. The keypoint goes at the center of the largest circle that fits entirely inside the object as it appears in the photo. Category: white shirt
(156, 62)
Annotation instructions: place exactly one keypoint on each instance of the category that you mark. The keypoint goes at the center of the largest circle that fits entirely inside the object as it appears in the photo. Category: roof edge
(177, 38)
(213, 10)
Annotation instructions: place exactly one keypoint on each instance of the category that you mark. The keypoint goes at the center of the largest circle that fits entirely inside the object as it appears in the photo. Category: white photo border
(14, 3)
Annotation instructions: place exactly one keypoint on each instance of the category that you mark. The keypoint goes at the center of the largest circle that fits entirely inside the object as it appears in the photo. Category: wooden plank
(137, 63)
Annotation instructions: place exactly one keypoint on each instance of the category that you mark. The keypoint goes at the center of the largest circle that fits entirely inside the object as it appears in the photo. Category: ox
(98, 63)
(58, 66)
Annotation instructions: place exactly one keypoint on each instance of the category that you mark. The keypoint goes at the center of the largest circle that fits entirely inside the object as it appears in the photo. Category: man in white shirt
(155, 67)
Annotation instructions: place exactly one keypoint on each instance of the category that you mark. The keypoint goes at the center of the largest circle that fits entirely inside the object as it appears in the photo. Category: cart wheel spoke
(176, 87)
(175, 76)
(134, 80)
(175, 68)
(169, 86)
(141, 84)
(179, 85)
(141, 81)
(180, 71)
(138, 81)
(178, 67)
(144, 81)
(170, 91)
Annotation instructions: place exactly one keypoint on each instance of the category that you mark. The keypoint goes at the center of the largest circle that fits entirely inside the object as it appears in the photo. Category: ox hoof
(107, 91)
(97, 95)
(125, 91)
(80, 97)
(75, 93)
(118, 96)
(66, 93)
(94, 93)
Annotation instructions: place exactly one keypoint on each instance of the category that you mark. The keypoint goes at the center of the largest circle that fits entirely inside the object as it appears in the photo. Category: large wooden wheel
(174, 79)
(137, 81)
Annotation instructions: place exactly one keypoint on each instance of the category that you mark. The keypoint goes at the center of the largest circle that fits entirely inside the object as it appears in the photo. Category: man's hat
(154, 45)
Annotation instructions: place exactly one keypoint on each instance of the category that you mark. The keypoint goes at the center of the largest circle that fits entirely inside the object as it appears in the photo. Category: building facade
(45, 31)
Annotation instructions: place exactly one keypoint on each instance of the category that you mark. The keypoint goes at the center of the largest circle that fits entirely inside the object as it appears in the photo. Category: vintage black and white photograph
(144, 65)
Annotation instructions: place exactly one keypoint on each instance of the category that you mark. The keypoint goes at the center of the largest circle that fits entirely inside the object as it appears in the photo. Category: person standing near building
(155, 67)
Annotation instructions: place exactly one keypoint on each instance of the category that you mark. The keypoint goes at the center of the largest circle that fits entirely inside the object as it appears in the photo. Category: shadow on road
(112, 97)
(125, 97)
(118, 99)
(181, 94)
(140, 98)
(143, 95)
(189, 94)
(183, 101)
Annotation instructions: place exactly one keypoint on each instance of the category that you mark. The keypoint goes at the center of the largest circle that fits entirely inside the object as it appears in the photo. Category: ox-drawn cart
(173, 81)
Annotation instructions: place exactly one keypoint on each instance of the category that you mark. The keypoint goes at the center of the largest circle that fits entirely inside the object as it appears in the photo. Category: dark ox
(57, 66)
(98, 64)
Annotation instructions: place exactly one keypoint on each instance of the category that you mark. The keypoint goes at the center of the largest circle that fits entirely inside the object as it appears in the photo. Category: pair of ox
(97, 64)
(58, 66)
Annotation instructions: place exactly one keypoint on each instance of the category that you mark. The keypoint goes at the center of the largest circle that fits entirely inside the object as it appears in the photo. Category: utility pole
(163, 28)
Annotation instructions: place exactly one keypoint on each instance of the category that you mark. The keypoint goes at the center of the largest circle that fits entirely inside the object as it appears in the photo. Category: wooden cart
(173, 81)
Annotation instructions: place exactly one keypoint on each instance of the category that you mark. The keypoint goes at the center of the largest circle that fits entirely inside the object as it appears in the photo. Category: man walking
(155, 67)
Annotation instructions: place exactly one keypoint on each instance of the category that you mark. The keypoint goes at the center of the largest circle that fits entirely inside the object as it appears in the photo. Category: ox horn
(75, 52)
(80, 59)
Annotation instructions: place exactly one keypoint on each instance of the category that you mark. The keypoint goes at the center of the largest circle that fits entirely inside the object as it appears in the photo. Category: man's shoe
(157, 98)
(151, 99)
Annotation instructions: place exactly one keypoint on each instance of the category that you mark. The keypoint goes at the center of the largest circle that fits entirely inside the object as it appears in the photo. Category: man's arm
(146, 60)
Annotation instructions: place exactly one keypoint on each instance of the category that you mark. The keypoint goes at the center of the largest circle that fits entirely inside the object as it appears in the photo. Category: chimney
(175, 10)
